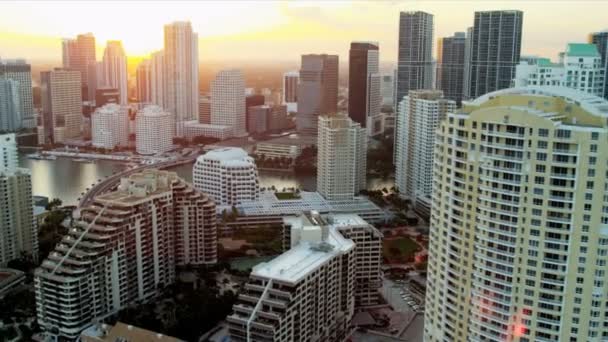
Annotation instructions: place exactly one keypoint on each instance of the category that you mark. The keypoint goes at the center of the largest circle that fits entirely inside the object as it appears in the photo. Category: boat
(83, 160)
(37, 156)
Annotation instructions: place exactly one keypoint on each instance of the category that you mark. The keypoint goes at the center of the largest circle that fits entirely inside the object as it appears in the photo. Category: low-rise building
(270, 150)
(193, 129)
(121, 332)
(10, 279)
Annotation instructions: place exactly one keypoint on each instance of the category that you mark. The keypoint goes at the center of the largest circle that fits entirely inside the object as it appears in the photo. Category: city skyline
(273, 28)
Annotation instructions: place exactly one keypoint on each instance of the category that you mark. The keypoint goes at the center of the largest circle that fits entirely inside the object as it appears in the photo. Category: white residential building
(341, 157)
(124, 248)
(273, 150)
(115, 69)
(580, 67)
(417, 120)
(153, 130)
(291, 81)
(181, 73)
(228, 175)
(228, 101)
(19, 71)
(110, 126)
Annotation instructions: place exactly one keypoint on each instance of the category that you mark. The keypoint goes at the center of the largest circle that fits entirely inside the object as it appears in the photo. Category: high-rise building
(110, 126)
(291, 80)
(78, 54)
(494, 51)
(450, 66)
(153, 130)
(181, 73)
(61, 104)
(144, 81)
(257, 119)
(364, 99)
(10, 105)
(228, 175)
(204, 109)
(580, 67)
(277, 119)
(115, 69)
(251, 101)
(19, 71)
(105, 95)
(600, 39)
(310, 292)
(518, 246)
(341, 157)
(387, 89)
(133, 238)
(95, 80)
(418, 117)
(228, 101)
(415, 58)
(17, 223)
(157, 79)
(317, 91)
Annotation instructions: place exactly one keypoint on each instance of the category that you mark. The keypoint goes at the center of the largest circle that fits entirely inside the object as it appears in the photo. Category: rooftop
(122, 332)
(580, 49)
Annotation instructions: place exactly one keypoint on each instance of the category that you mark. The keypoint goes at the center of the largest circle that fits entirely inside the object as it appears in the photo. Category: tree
(54, 203)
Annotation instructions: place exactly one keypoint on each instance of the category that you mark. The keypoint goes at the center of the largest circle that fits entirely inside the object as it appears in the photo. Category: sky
(270, 31)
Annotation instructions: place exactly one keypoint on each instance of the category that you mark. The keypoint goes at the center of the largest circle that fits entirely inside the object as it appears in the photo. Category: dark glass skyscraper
(495, 46)
(364, 99)
(450, 66)
(317, 91)
(600, 39)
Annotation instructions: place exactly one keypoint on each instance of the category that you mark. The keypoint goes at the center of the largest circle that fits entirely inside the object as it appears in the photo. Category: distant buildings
(228, 175)
(291, 80)
(387, 89)
(310, 292)
(252, 101)
(105, 95)
(318, 90)
(494, 49)
(115, 69)
(204, 110)
(61, 104)
(450, 66)
(79, 54)
(181, 73)
(19, 71)
(143, 77)
(341, 157)
(10, 105)
(157, 79)
(364, 98)
(257, 119)
(17, 224)
(193, 129)
(419, 115)
(228, 101)
(415, 57)
(600, 39)
(110, 126)
(580, 67)
(154, 127)
(133, 238)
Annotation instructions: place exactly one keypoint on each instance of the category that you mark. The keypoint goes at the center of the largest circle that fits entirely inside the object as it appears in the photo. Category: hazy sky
(275, 30)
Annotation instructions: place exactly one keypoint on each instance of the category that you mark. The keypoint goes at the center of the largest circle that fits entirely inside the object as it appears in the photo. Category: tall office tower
(600, 39)
(19, 71)
(10, 105)
(181, 73)
(115, 69)
(518, 246)
(228, 175)
(450, 66)
(580, 67)
(257, 119)
(157, 79)
(95, 79)
(17, 224)
(144, 81)
(341, 157)
(317, 91)
(204, 110)
(387, 89)
(418, 117)
(252, 101)
(495, 46)
(291, 79)
(132, 238)
(415, 59)
(78, 54)
(153, 130)
(110, 126)
(309, 293)
(61, 104)
(364, 99)
(228, 101)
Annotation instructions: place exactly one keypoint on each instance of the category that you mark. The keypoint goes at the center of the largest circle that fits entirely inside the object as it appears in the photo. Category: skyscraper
(78, 54)
(419, 115)
(600, 39)
(495, 46)
(415, 58)
(153, 130)
(252, 101)
(291, 79)
(10, 105)
(133, 239)
(157, 78)
(144, 81)
(518, 249)
(181, 73)
(318, 90)
(61, 104)
(341, 157)
(19, 71)
(115, 69)
(450, 66)
(364, 99)
(228, 101)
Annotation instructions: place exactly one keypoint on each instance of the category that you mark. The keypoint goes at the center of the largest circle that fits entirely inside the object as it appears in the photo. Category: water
(66, 179)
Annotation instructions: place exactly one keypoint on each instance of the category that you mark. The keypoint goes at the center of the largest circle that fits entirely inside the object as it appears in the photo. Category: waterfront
(66, 179)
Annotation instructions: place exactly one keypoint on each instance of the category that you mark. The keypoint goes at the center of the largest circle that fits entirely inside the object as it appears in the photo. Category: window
(543, 132)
